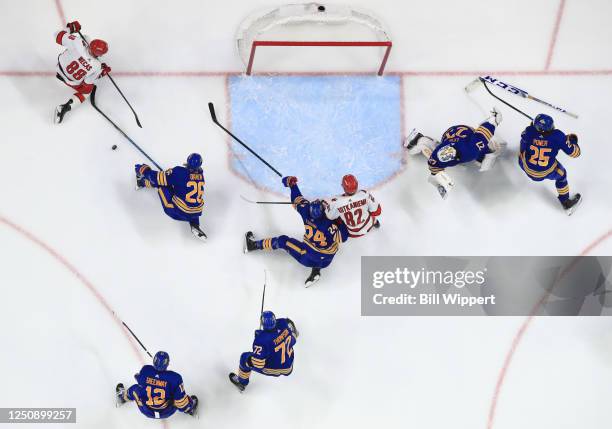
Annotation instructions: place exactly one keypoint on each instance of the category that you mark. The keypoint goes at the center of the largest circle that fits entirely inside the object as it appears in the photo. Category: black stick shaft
(126, 100)
(273, 202)
(93, 103)
(503, 101)
(213, 115)
(263, 296)
(136, 338)
(113, 81)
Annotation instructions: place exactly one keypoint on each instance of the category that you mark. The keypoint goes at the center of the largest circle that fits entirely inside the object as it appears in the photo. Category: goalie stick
(113, 82)
(213, 116)
(517, 91)
(472, 85)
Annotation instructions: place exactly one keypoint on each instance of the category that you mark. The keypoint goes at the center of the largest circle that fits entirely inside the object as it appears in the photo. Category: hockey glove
(105, 70)
(572, 138)
(289, 181)
(141, 169)
(74, 27)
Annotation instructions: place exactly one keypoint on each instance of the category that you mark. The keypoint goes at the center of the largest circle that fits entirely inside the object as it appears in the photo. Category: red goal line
(257, 43)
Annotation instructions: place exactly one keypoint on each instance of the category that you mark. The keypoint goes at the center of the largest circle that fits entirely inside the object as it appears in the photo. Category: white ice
(200, 302)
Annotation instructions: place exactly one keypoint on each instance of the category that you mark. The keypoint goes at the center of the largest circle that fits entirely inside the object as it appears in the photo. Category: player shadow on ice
(148, 221)
(490, 188)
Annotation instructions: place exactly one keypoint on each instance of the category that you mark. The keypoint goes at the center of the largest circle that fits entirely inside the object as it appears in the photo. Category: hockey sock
(243, 376)
(267, 243)
(562, 190)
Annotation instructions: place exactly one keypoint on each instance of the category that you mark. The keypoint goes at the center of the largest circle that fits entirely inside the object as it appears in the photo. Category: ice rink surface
(79, 244)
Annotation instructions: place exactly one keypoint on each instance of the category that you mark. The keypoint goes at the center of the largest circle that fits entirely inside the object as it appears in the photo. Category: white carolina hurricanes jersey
(76, 65)
(357, 211)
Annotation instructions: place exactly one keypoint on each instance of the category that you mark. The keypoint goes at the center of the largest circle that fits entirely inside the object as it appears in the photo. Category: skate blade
(200, 235)
(573, 209)
(313, 281)
(56, 118)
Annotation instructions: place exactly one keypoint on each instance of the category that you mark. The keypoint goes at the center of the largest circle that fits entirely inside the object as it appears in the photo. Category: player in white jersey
(78, 66)
(356, 208)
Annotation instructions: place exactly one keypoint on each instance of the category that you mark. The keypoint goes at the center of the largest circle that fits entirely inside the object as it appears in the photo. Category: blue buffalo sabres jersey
(273, 350)
(538, 151)
(160, 390)
(461, 144)
(187, 187)
(320, 235)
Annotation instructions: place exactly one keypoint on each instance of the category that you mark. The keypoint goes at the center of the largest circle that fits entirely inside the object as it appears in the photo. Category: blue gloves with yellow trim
(141, 169)
(289, 181)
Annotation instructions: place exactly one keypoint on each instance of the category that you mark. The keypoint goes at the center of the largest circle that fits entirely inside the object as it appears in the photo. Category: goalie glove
(442, 182)
(496, 116)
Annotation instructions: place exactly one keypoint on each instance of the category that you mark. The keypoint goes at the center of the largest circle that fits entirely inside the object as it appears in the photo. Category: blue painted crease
(317, 128)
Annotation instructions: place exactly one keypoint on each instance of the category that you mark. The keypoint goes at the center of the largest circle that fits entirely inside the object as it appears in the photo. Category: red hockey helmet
(349, 184)
(98, 47)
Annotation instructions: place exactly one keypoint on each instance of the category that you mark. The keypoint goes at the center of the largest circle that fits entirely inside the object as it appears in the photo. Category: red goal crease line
(256, 43)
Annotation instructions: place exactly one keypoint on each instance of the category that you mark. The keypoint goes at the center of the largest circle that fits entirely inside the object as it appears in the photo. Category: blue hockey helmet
(544, 123)
(194, 161)
(268, 320)
(161, 361)
(316, 209)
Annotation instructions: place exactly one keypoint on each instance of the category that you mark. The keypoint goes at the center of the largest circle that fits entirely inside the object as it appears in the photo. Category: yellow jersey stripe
(534, 173)
(329, 251)
(576, 152)
(278, 371)
(184, 207)
(164, 200)
(181, 402)
(485, 132)
(296, 248)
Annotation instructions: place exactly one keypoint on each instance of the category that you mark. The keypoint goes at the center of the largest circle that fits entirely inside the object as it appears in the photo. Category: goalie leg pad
(417, 143)
(490, 158)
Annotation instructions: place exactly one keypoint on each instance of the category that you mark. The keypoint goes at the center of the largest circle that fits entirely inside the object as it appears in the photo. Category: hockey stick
(113, 81)
(503, 101)
(263, 296)
(136, 338)
(524, 94)
(213, 115)
(264, 202)
(128, 103)
(93, 103)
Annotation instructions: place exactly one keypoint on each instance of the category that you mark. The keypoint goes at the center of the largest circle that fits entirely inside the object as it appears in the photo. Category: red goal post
(387, 44)
(311, 25)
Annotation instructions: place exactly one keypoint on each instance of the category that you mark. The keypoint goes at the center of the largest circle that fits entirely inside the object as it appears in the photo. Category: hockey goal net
(312, 25)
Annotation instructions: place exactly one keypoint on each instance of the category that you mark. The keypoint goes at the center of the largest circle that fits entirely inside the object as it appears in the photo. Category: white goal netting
(301, 23)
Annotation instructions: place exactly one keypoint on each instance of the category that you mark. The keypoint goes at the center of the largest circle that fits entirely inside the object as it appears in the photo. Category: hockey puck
(114, 147)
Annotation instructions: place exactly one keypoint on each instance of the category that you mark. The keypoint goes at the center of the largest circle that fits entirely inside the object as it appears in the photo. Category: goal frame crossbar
(388, 44)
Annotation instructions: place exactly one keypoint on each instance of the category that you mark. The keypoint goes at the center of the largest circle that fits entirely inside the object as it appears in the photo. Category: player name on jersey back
(357, 211)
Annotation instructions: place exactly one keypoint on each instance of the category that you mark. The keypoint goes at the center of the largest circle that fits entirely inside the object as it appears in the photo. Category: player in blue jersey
(322, 237)
(460, 144)
(180, 190)
(272, 350)
(540, 145)
(158, 393)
